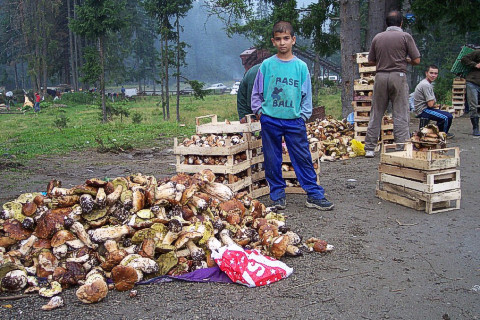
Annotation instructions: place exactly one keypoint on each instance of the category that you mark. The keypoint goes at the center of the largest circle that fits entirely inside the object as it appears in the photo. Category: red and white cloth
(250, 267)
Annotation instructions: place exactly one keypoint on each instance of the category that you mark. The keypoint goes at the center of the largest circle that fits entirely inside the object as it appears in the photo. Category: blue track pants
(443, 118)
(295, 134)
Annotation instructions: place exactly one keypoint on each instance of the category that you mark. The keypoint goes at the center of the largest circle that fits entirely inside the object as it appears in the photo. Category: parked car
(217, 86)
(235, 87)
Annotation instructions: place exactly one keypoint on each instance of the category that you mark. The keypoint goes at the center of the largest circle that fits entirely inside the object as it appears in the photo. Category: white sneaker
(369, 154)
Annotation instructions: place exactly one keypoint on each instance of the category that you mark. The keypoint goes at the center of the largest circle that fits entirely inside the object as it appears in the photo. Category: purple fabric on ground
(213, 274)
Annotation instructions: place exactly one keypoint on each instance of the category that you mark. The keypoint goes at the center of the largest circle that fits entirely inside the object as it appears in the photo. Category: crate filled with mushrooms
(128, 229)
(333, 137)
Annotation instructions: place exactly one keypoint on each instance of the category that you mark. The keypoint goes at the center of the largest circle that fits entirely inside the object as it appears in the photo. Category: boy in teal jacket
(282, 95)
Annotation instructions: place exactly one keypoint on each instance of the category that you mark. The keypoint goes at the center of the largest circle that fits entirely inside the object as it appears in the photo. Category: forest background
(169, 44)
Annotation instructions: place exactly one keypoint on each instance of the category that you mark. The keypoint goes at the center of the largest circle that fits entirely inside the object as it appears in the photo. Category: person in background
(425, 102)
(282, 96)
(10, 99)
(390, 52)
(472, 60)
(123, 92)
(36, 106)
(244, 94)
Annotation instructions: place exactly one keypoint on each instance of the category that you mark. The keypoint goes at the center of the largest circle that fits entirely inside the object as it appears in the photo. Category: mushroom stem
(79, 230)
(225, 237)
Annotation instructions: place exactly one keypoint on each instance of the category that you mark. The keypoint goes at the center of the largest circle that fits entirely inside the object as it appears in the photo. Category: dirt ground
(390, 262)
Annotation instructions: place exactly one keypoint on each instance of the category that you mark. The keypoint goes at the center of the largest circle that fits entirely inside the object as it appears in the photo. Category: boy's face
(283, 41)
(431, 74)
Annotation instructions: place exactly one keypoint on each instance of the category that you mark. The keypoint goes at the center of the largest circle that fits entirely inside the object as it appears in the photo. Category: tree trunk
(167, 97)
(316, 79)
(102, 77)
(350, 44)
(178, 69)
(376, 20)
(70, 45)
(162, 82)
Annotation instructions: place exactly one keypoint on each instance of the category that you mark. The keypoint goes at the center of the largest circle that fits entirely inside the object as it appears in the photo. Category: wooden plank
(295, 190)
(409, 173)
(221, 127)
(358, 104)
(361, 57)
(258, 176)
(362, 98)
(358, 128)
(388, 126)
(431, 186)
(257, 159)
(363, 87)
(286, 157)
(224, 169)
(391, 197)
(228, 149)
(240, 184)
(257, 193)
(292, 175)
(363, 108)
(367, 69)
(418, 195)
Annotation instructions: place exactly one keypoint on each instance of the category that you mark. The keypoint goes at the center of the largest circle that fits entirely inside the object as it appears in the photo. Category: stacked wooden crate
(386, 130)
(234, 161)
(423, 180)
(259, 183)
(362, 96)
(458, 96)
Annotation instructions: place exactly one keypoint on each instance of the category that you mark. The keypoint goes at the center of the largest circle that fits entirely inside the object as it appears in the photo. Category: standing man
(391, 51)
(36, 106)
(244, 94)
(424, 101)
(472, 60)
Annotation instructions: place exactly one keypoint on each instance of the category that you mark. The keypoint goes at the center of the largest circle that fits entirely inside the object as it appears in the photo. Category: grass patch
(59, 130)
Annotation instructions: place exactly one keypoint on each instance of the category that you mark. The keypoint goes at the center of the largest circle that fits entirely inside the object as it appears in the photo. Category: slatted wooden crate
(361, 57)
(358, 104)
(260, 189)
(225, 127)
(423, 180)
(361, 114)
(363, 87)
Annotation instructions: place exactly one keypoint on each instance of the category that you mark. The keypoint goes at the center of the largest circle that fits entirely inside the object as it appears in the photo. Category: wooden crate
(358, 104)
(314, 150)
(448, 158)
(367, 95)
(459, 81)
(458, 113)
(229, 168)
(221, 127)
(435, 182)
(226, 150)
(361, 57)
(360, 126)
(428, 202)
(361, 115)
(360, 136)
(366, 69)
(260, 192)
(363, 87)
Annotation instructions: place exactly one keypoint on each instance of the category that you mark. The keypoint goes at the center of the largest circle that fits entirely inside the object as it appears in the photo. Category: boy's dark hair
(431, 66)
(282, 26)
(394, 19)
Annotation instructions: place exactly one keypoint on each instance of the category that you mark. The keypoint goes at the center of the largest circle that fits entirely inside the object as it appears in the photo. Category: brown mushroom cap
(51, 222)
(93, 292)
(61, 237)
(124, 277)
(147, 249)
(279, 246)
(113, 259)
(46, 263)
(232, 206)
(38, 200)
(13, 228)
(320, 246)
(29, 208)
(182, 178)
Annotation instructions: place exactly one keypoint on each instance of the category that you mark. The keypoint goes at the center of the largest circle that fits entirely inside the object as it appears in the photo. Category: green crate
(458, 67)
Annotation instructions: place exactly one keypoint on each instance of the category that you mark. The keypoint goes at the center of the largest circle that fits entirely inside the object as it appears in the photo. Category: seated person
(424, 101)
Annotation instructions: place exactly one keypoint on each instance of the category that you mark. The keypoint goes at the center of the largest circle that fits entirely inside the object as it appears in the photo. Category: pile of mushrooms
(129, 229)
(334, 138)
(429, 137)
